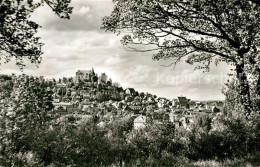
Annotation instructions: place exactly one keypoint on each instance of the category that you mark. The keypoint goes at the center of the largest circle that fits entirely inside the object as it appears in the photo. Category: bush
(156, 145)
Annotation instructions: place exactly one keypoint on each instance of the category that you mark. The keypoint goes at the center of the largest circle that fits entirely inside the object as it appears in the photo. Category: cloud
(113, 60)
(83, 10)
(79, 43)
(86, 15)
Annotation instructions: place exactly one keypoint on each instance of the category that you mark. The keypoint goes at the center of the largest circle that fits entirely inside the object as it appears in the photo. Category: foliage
(65, 144)
(233, 105)
(198, 31)
(31, 135)
(5, 77)
(17, 31)
(28, 112)
(232, 140)
(101, 97)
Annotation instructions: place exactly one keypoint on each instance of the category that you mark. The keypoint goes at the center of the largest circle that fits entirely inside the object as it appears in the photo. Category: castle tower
(103, 78)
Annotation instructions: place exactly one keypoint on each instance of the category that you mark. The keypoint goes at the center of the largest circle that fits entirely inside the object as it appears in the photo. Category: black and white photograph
(129, 83)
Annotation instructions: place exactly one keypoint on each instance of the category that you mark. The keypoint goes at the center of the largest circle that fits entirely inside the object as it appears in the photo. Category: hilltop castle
(86, 75)
(91, 76)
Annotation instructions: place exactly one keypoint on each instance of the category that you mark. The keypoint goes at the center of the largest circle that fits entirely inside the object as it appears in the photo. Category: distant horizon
(73, 76)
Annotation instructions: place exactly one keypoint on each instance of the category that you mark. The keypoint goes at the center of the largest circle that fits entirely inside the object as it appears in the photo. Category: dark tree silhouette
(201, 31)
(17, 32)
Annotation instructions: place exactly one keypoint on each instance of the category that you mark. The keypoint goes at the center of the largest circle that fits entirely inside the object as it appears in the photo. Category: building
(129, 98)
(109, 81)
(173, 117)
(183, 102)
(219, 105)
(140, 122)
(60, 85)
(62, 105)
(185, 122)
(130, 91)
(103, 78)
(84, 75)
(135, 108)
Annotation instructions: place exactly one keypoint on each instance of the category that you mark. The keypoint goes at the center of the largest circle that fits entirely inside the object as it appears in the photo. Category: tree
(101, 97)
(202, 31)
(29, 113)
(17, 32)
(233, 105)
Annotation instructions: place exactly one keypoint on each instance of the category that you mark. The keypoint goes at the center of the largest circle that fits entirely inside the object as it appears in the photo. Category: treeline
(32, 135)
(5, 77)
(65, 144)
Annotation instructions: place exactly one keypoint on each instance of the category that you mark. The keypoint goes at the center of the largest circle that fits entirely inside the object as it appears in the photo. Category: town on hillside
(89, 95)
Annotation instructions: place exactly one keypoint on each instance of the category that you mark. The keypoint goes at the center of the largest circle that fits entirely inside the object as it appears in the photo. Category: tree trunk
(258, 85)
(244, 89)
(253, 63)
(256, 104)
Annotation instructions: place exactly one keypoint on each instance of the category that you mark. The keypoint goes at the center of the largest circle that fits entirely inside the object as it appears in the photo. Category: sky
(79, 43)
